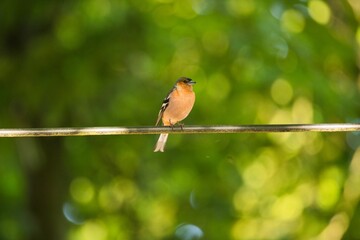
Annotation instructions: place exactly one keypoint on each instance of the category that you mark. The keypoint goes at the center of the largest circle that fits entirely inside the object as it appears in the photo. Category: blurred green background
(111, 62)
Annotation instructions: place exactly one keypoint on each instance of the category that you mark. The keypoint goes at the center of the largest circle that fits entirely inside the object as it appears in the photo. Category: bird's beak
(191, 82)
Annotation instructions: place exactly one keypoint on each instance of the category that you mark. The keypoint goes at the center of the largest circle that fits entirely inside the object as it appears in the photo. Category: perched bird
(176, 107)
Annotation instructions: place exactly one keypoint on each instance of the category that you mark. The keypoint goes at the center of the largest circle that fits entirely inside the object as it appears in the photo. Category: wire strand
(97, 131)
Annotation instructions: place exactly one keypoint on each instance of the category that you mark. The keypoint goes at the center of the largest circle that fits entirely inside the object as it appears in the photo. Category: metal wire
(96, 131)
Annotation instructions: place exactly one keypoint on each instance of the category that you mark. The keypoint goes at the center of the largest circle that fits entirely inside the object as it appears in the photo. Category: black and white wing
(164, 105)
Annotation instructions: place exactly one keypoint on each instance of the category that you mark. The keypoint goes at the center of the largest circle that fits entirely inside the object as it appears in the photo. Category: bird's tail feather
(160, 145)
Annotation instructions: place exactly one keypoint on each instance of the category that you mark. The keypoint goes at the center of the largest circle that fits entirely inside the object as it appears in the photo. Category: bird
(176, 107)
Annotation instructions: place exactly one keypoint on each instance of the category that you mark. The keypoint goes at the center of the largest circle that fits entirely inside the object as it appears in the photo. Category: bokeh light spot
(255, 175)
(163, 15)
(82, 190)
(245, 200)
(202, 7)
(352, 190)
(329, 188)
(292, 21)
(246, 229)
(193, 201)
(218, 86)
(358, 36)
(215, 42)
(295, 142)
(163, 213)
(187, 54)
(72, 214)
(281, 91)
(314, 143)
(241, 8)
(184, 9)
(141, 65)
(336, 227)
(288, 207)
(302, 111)
(114, 194)
(353, 139)
(280, 47)
(319, 11)
(276, 10)
(281, 116)
(92, 230)
(96, 11)
(188, 232)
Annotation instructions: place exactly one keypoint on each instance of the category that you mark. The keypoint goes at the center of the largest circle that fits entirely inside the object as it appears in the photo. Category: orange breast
(180, 105)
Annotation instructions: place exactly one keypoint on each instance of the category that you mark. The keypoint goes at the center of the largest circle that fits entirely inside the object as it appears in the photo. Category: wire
(96, 131)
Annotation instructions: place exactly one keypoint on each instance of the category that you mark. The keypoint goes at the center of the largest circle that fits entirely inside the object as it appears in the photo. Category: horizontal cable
(96, 131)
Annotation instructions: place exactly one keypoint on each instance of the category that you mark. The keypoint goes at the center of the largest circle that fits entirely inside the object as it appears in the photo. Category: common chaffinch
(175, 107)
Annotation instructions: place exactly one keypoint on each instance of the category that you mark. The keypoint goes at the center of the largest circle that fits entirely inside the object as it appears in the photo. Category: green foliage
(110, 63)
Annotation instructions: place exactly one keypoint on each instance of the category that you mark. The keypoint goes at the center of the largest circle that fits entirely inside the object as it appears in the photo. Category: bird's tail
(160, 145)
